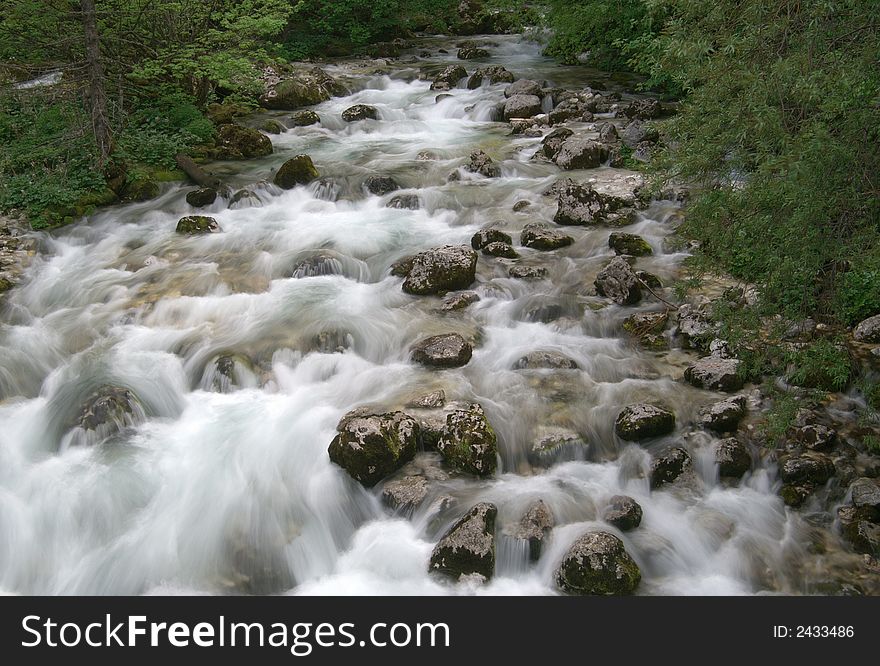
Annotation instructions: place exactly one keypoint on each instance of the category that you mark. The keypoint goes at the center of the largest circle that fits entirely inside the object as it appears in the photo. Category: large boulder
(667, 467)
(304, 87)
(468, 442)
(449, 350)
(360, 112)
(715, 373)
(553, 142)
(578, 205)
(865, 498)
(868, 330)
(522, 106)
(619, 282)
(597, 563)
(193, 225)
(725, 415)
(540, 237)
(449, 77)
(631, 244)
(534, 528)
(578, 153)
(623, 512)
(808, 468)
(524, 87)
(441, 269)
(492, 74)
(642, 421)
(733, 458)
(236, 142)
(468, 548)
(297, 170)
(370, 447)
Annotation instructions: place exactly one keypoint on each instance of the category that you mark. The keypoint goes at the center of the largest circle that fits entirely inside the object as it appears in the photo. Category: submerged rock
(193, 225)
(109, 410)
(468, 548)
(618, 282)
(471, 52)
(623, 512)
(492, 73)
(534, 528)
(297, 170)
(715, 374)
(360, 112)
(468, 442)
(541, 237)
(442, 351)
(597, 563)
(459, 300)
(380, 185)
(371, 447)
(405, 201)
(441, 269)
(669, 466)
(527, 272)
(643, 421)
(545, 359)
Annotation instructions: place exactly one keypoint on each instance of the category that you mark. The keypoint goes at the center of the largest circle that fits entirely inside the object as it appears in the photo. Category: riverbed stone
(360, 112)
(868, 330)
(694, 327)
(715, 374)
(380, 185)
(618, 282)
(647, 327)
(304, 87)
(577, 204)
(597, 564)
(471, 52)
(623, 512)
(449, 77)
(524, 87)
(552, 143)
(193, 225)
(298, 170)
(812, 468)
(865, 498)
(534, 528)
(449, 350)
(468, 547)
(670, 465)
(724, 415)
(580, 153)
(638, 133)
(486, 236)
(643, 421)
(235, 142)
(813, 436)
(527, 272)
(371, 447)
(404, 202)
(109, 409)
(631, 244)
(204, 196)
(305, 118)
(406, 494)
(643, 109)
(479, 162)
(539, 236)
(504, 250)
(492, 73)
(538, 360)
(459, 300)
(468, 442)
(441, 269)
(733, 458)
(522, 106)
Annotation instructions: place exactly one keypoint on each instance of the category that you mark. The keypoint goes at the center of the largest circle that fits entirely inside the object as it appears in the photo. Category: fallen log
(198, 175)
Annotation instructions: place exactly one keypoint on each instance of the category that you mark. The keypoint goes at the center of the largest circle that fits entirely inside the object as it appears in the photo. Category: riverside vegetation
(713, 209)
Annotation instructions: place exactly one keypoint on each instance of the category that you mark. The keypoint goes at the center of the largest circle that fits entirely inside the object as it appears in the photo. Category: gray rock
(534, 528)
(360, 112)
(459, 300)
(608, 133)
(527, 272)
(449, 77)
(468, 442)
(577, 153)
(642, 421)
(109, 410)
(522, 106)
(551, 144)
(303, 87)
(370, 447)
(406, 494)
(631, 244)
(694, 327)
(814, 436)
(492, 73)
(555, 447)
(577, 205)
(868, 330)
(524, 87)
(449, 350)
(433, 400)
(404, 201)
(298, 170)
(479, 162)
(540, 237)
(305, 118)
(724, 415)
(380, 185)
(500, 250)
(812, 468)
(865, 497)
(715, 374)
(470, 52)
(637, 133)
(486, 236)
(618, 282)
(644, 109)
(623, 512)
(545, 360)
(441, 269)
(733, 458)
(669, 466)
(598, 564)
(468, 547)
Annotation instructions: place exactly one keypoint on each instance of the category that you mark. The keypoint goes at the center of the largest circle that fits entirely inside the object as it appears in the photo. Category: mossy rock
(236, 142)
(298, 170)
(468, 442)
(141, 189)
(222, 114)
(370, 447)
(642, 421)
(598, 564)
(193, 225)
(630, 244)
(273, 126)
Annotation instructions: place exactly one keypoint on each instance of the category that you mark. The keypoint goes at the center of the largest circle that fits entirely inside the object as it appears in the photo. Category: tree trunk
(97, 94)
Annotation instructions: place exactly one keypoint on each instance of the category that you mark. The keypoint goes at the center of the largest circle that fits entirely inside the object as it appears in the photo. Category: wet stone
(534, 528)
(669, 466)
(545, 360)
(623, 512)
(598, 564)
(642, 421)
(468, 548)
(449, 350)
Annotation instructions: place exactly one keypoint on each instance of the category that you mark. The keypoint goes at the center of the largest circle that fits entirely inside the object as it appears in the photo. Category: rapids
(231, 490)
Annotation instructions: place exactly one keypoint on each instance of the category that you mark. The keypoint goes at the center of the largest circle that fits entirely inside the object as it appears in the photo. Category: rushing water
(216, 491)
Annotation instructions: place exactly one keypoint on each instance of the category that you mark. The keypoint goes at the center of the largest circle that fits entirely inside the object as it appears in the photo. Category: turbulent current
(221, 482)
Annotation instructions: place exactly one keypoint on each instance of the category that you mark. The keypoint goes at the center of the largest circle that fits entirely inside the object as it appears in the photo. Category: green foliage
(821, 365)
(780, 417)
(859, 291)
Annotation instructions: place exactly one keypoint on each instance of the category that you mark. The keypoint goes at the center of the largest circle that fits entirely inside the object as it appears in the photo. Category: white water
(219, 492)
